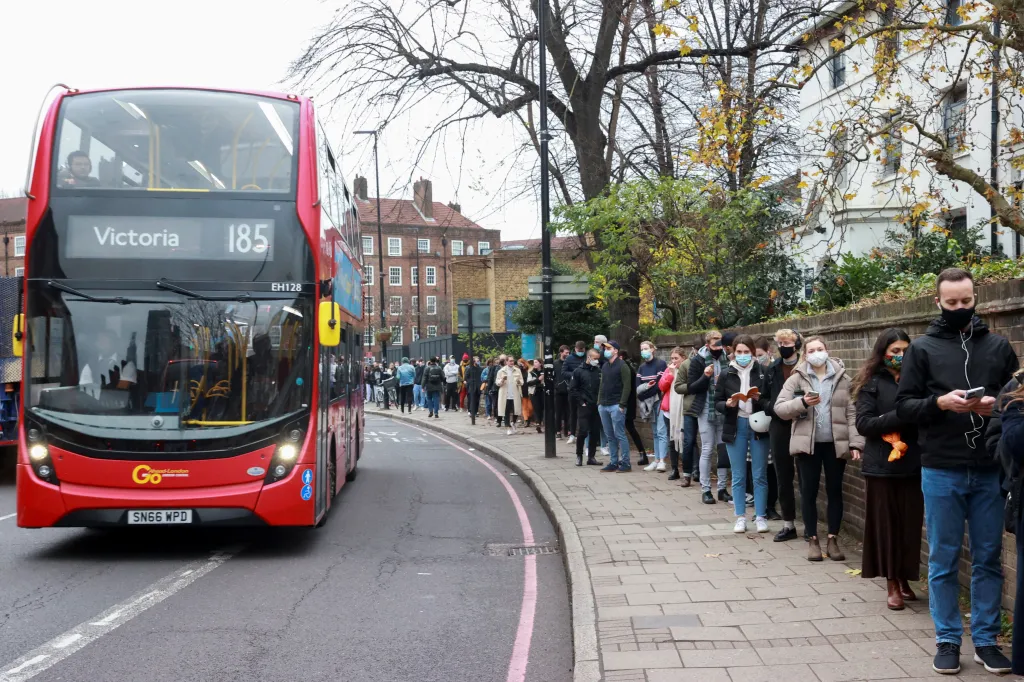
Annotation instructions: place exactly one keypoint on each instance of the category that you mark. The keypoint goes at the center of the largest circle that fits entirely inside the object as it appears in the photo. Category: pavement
(409, 580)
(662, 590)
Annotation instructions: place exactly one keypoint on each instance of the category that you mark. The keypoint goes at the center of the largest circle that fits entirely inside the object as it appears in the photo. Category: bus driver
(77, 173)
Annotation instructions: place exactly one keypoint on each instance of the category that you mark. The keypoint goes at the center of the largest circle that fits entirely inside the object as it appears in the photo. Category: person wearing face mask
(649, 395)
(893, 503)
(586, 385)
(817, 400)
(631, 405)
(561, 394)
(510, 394)
(613, 397)
(763, 356)
(472, 378)
(706, 367)
(959, 479)
(779, 430)
(574, 361)
(742, 377)
(763, 351)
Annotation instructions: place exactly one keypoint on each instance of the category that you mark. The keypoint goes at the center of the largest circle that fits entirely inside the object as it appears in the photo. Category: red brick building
(12, 231)
(420, 238)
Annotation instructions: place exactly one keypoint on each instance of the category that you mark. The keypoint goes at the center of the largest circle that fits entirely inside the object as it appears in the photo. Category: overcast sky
(225, 43)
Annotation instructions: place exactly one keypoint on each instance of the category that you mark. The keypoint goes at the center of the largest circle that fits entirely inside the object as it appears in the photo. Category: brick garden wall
(850, 335)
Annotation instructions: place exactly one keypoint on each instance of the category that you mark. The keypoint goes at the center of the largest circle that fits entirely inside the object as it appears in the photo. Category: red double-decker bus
(191, 328)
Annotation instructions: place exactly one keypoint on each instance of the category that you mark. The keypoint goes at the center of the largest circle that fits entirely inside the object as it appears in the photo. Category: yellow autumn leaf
(850, 197)
(837, 44)
(801, 185)
(685, 49)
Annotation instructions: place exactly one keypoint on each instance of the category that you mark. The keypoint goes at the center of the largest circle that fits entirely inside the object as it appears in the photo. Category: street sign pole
(545, 231)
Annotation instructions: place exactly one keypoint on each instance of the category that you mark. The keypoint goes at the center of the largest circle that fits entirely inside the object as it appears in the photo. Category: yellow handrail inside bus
(152, 153)
(203, 422)
(256, 161)
(157, 127)
(234, 152)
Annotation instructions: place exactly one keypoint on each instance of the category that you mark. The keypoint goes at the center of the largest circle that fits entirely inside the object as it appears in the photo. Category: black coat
(492, 376)
(561, 384)
(586, 382)
(433, 379)
(933, 365)
(472, 379)
(569, 367)
(1008, 451)
(876, 417)
(729, 382)
(699, 385)
(631, 403)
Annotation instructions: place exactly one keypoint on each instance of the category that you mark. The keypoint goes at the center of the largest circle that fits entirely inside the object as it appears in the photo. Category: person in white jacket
(510, 394)
(451, 385)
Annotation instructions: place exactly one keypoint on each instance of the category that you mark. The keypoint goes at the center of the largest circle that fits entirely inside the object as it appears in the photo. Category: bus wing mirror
(329, 319)
(18, 336)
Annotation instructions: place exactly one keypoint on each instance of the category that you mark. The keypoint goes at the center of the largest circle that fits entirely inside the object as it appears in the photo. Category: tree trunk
(624, 315)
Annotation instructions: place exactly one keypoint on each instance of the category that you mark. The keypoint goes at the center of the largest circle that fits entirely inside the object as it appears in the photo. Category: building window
(510, 307)
(431, 331)
(431, 276)
(414, 275)
(423, 245)
(892, 149)
(368, 272)
(840, 159)
(19, 246)
(890, 42)
(395, 276)
(368, 336)
(368, 305)
(808, 283)
(396, 336)
(19, 272)
(415, 333)
(954, 118)
(395, 305)
(457, 247)
(431, 305)
(416, 305)
(483, 248)
(394, 246)
(837, 65)
(953, 17)
(367, 246)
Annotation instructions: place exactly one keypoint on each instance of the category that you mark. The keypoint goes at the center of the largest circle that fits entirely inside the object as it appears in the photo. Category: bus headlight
(287, 453)
(39, 457)
(38, 453)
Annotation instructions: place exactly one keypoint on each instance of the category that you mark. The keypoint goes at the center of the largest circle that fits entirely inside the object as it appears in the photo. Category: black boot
(593, 462)
(674, 476)
(643, 460)
(724, 496)
(579, 460)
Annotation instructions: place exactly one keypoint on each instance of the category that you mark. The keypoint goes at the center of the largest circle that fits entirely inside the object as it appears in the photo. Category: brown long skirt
(894, 514)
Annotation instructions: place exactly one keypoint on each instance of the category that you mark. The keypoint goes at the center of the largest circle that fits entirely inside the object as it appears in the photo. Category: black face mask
(716, 353)
(959, 318)
(786, 352)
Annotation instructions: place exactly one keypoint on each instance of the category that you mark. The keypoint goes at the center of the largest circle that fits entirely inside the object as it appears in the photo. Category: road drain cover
(504, 549)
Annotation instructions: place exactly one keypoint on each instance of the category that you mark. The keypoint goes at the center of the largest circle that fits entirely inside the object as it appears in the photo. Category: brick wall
(851, 334)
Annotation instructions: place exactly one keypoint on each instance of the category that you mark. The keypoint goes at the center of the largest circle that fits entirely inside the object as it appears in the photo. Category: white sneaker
(651, 467)
(606, 452)
(762, 524)
(572, 439)
(741, 525)
(509, 432)
(661, 465)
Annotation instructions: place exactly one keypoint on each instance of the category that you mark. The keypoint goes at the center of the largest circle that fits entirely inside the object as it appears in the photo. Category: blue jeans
(417, 395)
(951, 497)
(660, 431)
(758, 468)
(433, 401)
(613, 421)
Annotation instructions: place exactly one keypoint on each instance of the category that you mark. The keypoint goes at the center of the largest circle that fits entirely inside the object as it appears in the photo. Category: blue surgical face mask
(597, 346)
(580, 353)
(646, 354)
(607, 355)
(743, 359)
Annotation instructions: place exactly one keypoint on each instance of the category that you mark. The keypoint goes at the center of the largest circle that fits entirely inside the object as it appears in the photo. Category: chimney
(359, 187)
(455, 207)
(423, 197)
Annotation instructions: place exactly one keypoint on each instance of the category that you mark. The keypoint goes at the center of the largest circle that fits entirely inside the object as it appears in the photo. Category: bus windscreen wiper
(120, 300)
(164, 284)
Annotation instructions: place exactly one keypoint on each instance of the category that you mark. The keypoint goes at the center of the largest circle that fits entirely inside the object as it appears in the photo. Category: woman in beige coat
(510, 394)
(817, 400)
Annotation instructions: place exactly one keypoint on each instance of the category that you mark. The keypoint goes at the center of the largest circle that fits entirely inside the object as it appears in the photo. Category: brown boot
(813, 550)
(834, 552)
(905, 591)
(895, 600)
(685, 483)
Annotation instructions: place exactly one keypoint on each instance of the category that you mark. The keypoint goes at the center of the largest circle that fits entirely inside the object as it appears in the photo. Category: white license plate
(159, 516)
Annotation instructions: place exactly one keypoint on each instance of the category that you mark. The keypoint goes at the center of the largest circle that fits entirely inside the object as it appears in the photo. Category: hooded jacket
(586, 382)
(570, 365)
(681, 386)
(876, 417)
(433, 379)
(790, 406)
(944, 360)
(699, 385)
(729, 383)
(406, 374)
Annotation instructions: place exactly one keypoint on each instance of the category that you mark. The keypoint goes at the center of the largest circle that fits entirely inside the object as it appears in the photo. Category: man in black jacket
(586, 383)
(960, 480)
(561, 395)
(788, 343)
(418, 396)
(569, 366)
(473, 378)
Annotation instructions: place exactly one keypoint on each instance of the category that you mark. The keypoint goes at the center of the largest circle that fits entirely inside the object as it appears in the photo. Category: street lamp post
(545, 232)
(380, 246)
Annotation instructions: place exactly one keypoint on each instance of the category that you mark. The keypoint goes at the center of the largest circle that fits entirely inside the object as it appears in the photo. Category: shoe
(610, 468)
(625, 469)
(992, 658)
(833, 549)
(436, 416)
(605, 451)
(906, 592)
(707, 497)
(785, 534)
(741, 525)
(813, 550)
(509, 431)
(894, 600)
(579, 460)
(749, 500)
(724, 496)
(774, 515)
(687, 480)
(650, 467)
(661, 465)
(947, 659)
(572, 439)
(643, 461)
(593, 463)
(762, 524)
(674, 476)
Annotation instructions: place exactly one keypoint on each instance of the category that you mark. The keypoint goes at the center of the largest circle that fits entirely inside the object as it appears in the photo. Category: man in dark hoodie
(569, 366)
(948, 385)
(561, 395)
(586, 384)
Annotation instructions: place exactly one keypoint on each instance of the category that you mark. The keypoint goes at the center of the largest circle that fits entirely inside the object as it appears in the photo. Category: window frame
(431, 300)
(953, 17)
(19, 251)
(415, 305)
(368, 305)
(391, 244)
(396, 335)
(480, 248)
(367, 240)
(889, 169)
(462, 247)
(419, 245)
(392, 300)
(19, 272)
(391, 275)
(431, 331)
(955, 106)
(430, 273)
(414, 275)
(837, 65)
(368, 273)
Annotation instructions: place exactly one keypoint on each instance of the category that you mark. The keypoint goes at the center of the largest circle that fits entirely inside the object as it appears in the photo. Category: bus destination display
(140, 237)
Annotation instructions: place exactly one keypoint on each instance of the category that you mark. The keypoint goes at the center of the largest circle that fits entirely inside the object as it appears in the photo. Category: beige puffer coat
(790, 406)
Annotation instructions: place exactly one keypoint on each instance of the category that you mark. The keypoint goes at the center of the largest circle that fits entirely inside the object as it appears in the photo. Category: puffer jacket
(681, 385)
(790, 407)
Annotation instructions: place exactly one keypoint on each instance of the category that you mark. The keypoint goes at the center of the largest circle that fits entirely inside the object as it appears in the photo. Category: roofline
(258, 93)
(820, 24)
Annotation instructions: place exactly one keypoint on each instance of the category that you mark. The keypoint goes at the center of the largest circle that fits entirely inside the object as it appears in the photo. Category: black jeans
(510, 412)
(779, 434)
(574, 407)
(473, 402)
(635, 435)
(562, 413)
(810, 466)
(690, 431)
(1018, 606)
(451, 396)
(590, 423)
(405, 397)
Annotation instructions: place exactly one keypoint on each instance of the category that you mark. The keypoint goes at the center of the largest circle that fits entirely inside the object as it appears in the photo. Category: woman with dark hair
(535, 387)
(631, 413)
(894, 504)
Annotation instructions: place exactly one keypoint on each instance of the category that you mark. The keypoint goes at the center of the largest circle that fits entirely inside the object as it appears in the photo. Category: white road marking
(422, 574)
(8, 516)
(63, 645)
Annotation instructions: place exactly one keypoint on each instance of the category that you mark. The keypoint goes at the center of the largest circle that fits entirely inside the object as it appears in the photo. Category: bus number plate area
(143, 517)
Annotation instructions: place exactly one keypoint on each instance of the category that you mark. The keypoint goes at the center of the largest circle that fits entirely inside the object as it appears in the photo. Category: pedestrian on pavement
(671, 409)
(510, 394)
(484, 385)
(527, 413)
(417, 387)
(492, 388)
(738, 396)
(473, 379)
(631, 411)
(535, 386)
(940, 374)
(451, 385)
(817, 399)
(562, 428)
(684, 429)
(585, 386)
(368, 380)
(705, 369)
(433, 384)
(763, 355)
(463, 391)
(406, 380)
(600, 341)
(893, 503)
(648, 405)
(576, 359)
(779, 430)
(616, 385)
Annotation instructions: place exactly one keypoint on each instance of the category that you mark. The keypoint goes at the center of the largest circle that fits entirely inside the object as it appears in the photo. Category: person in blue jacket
(406, 378)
